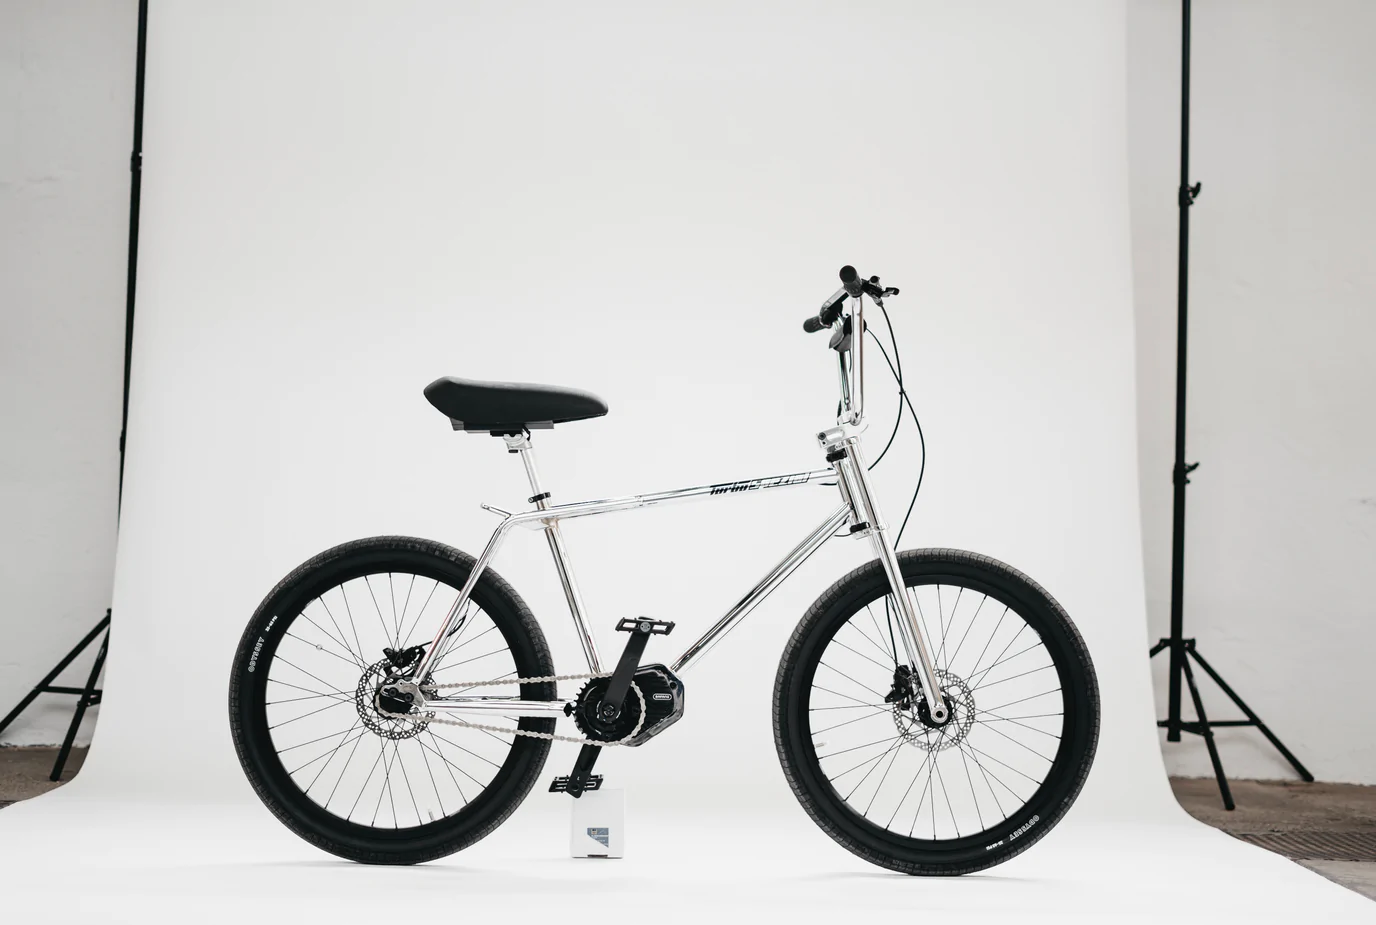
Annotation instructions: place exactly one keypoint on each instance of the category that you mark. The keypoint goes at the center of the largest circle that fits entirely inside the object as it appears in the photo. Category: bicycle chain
(553, 737)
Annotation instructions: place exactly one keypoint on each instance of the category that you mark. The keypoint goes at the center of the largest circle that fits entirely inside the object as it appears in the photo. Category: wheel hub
(915, 723)
(377, 695)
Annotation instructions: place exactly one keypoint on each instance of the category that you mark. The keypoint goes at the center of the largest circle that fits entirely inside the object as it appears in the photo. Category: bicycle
(316, 712)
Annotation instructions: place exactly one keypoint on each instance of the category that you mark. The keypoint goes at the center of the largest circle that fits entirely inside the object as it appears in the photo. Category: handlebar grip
(813, 325)
(851, 282)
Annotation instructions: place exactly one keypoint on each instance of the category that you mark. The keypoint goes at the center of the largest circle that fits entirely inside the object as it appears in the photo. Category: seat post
(520, 444)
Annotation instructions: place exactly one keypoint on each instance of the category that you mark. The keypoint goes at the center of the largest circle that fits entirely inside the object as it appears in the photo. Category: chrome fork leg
(851, 470)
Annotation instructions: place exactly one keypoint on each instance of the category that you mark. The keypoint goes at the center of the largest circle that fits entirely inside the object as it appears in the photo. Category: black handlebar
(853, 285)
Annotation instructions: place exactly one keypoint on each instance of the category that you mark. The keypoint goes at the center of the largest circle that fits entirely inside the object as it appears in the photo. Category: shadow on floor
(1329, 828)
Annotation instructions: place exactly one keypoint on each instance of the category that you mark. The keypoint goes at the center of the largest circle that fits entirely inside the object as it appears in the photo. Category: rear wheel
(858, 744)
(322, 755)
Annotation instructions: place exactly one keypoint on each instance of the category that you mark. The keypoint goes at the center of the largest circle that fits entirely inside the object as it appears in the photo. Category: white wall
(1281, 545)
(66, 124)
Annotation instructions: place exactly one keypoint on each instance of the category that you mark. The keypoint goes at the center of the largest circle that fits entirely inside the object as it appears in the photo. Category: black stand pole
(89, 695)
(1182, 649)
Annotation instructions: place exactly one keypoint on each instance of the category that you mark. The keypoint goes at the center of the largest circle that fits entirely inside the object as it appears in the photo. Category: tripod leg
(86, 699)
(57, 670)
(1207, 732)
(1300, 769)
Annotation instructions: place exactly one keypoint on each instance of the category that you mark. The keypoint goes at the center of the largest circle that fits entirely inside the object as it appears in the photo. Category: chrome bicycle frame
(858, 509)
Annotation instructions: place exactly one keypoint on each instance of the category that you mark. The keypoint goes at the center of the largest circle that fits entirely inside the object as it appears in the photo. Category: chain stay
(554, 737)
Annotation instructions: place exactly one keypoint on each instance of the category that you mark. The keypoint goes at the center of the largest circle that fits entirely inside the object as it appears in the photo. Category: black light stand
(89, 695)
(1181, 649)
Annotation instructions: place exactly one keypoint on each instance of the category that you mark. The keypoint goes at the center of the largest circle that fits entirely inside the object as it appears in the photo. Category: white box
(597, 826)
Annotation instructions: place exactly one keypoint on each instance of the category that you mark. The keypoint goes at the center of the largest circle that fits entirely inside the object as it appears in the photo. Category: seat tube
(851, 468)
(520, 444)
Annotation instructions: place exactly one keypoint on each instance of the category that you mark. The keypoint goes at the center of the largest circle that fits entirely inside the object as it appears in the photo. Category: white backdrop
(647, 212)
(343, 202)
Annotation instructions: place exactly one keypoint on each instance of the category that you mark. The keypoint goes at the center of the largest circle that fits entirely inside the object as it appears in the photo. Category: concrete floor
(24, 771)
(1280, 815)
(1267, 811)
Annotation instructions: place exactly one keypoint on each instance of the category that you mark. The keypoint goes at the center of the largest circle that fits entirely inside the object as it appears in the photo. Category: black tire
(994, 840)
(257, 662)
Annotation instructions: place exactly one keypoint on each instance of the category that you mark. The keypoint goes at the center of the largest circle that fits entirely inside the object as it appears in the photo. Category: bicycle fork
(852, 478)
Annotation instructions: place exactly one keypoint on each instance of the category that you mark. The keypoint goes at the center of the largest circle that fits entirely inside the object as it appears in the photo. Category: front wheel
(859, 747)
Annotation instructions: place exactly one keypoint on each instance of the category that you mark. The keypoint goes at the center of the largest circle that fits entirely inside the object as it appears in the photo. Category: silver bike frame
(858, 509)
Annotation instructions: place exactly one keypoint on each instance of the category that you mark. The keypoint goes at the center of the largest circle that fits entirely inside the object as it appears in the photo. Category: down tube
(800, 554)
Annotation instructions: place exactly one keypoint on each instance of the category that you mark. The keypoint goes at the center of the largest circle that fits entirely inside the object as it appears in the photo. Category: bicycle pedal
(576, 786)
(645, 625)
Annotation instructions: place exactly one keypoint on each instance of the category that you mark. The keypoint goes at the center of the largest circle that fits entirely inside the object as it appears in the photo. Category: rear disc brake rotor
(378, 676)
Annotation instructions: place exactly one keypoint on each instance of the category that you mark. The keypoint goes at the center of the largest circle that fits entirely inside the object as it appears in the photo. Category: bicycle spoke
(344, 770)
(852, 680)
(979, 658)
(880, 648)
(889, 649)
(1013, 678)
(877, 762)
(406, 640)
(971, 780)
(433, 784)
(349, 611)
(883, 777)
(385, 790)
(436, 735)
(911, 784)
(380, 618)
(1004, 719)
(344, 740)
(449, 766)
(319, 648)
(347, 697)
(304, 715)
(954, 655)
(353, 657)
(849, 721)
(856, 748)
(396, 621)
(862, 655)
(858, 705)
(440, 754)
(474, 659)
(1002, 763)
(366, 780)
(976, 677)
(947, 794)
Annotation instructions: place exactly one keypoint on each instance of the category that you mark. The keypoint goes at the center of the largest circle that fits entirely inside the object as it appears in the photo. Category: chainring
(585, 712)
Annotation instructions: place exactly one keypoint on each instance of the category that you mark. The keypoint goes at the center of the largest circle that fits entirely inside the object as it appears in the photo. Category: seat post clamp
(536, 499)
